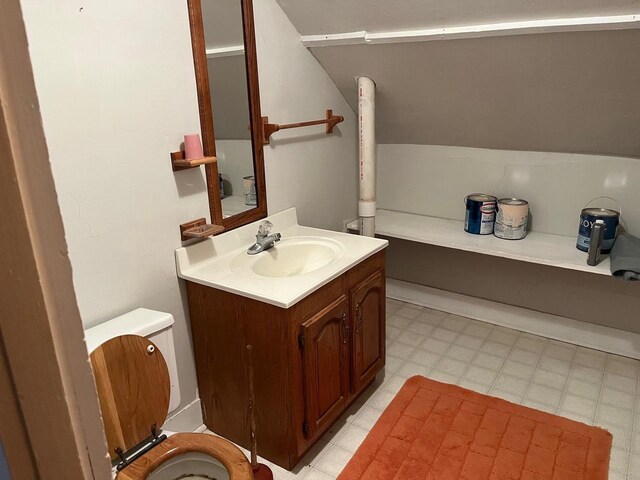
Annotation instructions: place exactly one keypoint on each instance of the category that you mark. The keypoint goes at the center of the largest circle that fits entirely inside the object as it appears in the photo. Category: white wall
(315, 172)
(433, 180)
(117, 91)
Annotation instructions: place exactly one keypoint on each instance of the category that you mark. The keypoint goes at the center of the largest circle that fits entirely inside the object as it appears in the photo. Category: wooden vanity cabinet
(368, 339)
(324, 343)
(311, 361)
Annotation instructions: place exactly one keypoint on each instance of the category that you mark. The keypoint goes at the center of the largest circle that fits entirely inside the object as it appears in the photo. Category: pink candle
(192, 147)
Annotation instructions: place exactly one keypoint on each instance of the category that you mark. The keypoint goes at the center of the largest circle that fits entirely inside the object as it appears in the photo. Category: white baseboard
(187, 419)
(564, 329)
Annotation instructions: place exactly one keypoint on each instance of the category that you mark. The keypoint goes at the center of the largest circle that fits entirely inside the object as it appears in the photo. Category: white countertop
(542, 248)
(209, 262)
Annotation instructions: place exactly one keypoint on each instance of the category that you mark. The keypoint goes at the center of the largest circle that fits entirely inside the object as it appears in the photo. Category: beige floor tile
(585, 407)
(468, 341)
(543, 394)
(506, 337)
(488, 361)
(334, 460)
(517, 369)
(524, 356)
(352, 438)
(477, 330)
(549, 378)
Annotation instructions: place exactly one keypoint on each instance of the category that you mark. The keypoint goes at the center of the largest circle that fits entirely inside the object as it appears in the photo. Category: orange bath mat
(436, 431)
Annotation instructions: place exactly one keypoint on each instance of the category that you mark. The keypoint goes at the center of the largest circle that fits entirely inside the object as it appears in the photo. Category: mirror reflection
(226, 65)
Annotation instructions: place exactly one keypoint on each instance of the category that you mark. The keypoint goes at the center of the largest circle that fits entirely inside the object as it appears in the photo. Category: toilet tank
(156, 326)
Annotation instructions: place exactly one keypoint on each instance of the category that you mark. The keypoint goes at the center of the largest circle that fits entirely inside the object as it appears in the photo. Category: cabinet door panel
(368, 320)
(325, 345)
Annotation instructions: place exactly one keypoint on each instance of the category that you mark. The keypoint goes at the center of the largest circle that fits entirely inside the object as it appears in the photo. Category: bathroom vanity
(314, 311)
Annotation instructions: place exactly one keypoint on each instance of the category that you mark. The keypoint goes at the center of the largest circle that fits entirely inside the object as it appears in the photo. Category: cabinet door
(368, 320)
(324, 342)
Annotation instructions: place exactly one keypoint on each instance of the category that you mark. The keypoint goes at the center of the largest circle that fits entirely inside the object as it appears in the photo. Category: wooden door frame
(55, 429)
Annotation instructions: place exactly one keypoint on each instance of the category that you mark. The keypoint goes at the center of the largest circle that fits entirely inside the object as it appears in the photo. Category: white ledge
(225, 51)
(577, 24)
(541, 248)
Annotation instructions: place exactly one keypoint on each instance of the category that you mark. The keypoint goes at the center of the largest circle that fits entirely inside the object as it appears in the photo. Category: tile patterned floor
(586, 385)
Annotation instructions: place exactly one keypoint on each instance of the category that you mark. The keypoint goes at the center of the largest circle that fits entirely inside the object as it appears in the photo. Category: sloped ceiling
(573, 92)
(222, 23)
(228, 87)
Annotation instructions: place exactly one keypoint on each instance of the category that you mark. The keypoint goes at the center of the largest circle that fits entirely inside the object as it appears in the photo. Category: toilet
(133, 360)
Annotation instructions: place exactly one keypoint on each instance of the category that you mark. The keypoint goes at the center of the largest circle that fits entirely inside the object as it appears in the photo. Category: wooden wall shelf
(330, 121)
(199, 229)
(178, 161)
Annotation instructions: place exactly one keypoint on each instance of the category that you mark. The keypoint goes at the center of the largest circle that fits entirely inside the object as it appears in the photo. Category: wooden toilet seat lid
(133, 388)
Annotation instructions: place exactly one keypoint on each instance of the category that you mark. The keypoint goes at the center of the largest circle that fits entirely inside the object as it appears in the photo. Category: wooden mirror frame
(206, 115)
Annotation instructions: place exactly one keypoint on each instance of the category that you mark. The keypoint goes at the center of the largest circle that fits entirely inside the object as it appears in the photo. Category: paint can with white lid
(512, 217)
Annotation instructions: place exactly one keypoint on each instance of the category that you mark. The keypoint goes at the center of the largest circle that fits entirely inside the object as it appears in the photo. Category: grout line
(565, 389)
(451, 344)
(505, 362)
(477, 353)
(599, 402)
(535, 368)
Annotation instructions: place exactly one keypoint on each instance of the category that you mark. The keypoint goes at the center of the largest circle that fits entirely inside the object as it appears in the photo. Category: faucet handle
(265, 228)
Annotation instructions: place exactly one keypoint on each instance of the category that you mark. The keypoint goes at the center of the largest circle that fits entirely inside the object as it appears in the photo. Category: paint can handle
(607, 198)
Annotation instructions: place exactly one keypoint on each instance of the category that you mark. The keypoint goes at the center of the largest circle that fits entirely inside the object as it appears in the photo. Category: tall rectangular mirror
(224, 51)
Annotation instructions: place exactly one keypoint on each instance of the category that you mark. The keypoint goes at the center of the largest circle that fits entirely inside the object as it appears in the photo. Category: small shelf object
(199, 229)
(178, 161)
(330, 121)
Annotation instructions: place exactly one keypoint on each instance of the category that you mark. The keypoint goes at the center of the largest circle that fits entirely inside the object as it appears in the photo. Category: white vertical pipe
(367, 157)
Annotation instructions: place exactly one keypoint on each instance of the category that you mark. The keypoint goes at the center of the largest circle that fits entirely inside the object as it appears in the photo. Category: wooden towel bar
(330, 120)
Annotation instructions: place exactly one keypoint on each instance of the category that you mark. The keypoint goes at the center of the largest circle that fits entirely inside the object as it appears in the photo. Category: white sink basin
(290, 257)
(305, 259)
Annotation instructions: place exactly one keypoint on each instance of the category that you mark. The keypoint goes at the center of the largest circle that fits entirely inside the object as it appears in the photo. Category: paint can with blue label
(480, 213)
(588, 217)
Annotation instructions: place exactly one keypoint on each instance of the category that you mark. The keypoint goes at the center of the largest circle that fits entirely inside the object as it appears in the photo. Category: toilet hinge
(155, 439)
(301, 341)
(305, 428)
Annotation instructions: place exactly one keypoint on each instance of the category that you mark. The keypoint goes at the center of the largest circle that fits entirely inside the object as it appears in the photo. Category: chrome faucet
(264, 239)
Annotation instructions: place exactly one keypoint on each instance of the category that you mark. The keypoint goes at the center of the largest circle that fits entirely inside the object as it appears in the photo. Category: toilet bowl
(190, 456)
(135, 387)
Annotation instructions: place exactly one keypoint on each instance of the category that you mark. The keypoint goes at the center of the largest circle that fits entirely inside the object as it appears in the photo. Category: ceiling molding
(578, 24)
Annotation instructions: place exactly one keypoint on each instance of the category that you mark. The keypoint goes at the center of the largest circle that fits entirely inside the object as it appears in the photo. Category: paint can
(250, 196)
(480, 213)
(588, 217)
(512, 217)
